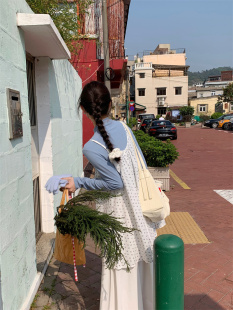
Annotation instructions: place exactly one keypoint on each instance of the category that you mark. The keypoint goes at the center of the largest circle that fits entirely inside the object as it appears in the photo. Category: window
(141, 91)
(213, 93)
(141, 75)
(162, 111)
(201, 95)
(178, 90)
(203, 108)
(161, 91)
(231, 107)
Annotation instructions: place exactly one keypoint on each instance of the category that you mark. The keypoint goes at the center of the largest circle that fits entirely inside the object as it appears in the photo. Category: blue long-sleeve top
(109, 178)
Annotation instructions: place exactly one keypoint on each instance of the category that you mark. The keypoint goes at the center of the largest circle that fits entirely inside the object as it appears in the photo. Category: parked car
(224, 122)
(162, 130)
(213, 123)
(146, 123)
(228, 125)
(143, 116)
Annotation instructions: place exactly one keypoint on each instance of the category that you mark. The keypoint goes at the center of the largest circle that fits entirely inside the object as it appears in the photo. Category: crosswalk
(226, 194)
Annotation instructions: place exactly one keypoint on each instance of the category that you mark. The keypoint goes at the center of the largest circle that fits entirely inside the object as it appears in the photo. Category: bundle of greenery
(78, 219)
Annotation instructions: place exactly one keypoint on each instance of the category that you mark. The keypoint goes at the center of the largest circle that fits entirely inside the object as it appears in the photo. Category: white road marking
(226, 194)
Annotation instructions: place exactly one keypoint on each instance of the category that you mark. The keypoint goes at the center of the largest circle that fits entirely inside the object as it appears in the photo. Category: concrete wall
(17, 246)
(58, 88)
(210, 105)
(151, 84)
(166, 59)
(60, 144)
(208, 93)
(209, 102)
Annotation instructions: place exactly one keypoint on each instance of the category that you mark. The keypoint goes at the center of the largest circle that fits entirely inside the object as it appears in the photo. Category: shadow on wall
(55, 100)
(202, 301)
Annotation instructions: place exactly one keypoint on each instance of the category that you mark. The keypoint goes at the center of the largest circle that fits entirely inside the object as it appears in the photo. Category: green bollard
(169, 273)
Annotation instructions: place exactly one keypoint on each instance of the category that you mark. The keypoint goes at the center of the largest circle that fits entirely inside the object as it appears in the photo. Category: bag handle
(65, 197)
(141, 163)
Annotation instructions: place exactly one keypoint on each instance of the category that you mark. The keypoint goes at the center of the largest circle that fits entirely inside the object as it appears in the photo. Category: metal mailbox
(14, 114)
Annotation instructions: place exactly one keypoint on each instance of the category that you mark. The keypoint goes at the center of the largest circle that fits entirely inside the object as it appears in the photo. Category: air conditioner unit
(161, 101)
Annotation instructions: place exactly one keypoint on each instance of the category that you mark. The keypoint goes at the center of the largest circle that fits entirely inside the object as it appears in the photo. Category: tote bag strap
(100, 144)
(65, 197)
(140, 161)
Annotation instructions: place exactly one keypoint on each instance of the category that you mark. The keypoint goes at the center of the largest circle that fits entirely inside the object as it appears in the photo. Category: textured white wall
(57, 110)
(58, 88)
(17, 231)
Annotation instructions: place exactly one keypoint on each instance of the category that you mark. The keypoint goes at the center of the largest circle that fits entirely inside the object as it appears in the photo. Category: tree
(65, 15)
(187, 113)
(228, 93)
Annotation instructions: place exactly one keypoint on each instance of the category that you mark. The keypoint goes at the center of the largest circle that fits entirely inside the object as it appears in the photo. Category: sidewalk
(205, 165)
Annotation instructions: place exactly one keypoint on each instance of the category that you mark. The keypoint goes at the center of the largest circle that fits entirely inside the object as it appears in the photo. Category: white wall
(60, 147)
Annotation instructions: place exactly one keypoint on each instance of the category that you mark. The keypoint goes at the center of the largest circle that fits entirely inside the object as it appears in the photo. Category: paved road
(205, 165)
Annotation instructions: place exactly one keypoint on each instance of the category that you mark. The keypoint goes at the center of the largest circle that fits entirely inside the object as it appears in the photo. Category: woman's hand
(70, 185)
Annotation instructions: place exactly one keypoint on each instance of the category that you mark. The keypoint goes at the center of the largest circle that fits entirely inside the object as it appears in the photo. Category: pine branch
(78, 220)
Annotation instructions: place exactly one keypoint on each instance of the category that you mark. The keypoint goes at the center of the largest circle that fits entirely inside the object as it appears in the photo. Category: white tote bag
(154, 203)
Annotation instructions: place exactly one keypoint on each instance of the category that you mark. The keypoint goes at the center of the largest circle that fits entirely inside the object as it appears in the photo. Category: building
(161, 80)
(206, 99)
(203, 92)
(41, 136)
(222, 80)
(89, 59)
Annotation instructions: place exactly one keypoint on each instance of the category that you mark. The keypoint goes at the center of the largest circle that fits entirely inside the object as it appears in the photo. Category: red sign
(131, 108)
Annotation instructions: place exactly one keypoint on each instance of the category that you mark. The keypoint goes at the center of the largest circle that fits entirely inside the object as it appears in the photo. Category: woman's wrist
(76, 182)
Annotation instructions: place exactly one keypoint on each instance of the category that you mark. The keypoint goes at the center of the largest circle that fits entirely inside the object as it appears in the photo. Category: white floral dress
(122, 290)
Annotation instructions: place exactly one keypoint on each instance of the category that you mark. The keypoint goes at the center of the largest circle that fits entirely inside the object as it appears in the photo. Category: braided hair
(95, 99)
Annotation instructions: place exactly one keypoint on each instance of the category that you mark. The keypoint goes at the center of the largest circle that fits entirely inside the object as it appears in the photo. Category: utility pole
(105, 43)
(127, 91)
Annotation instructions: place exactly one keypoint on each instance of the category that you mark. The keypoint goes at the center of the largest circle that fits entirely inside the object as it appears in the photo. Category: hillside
(199, 77)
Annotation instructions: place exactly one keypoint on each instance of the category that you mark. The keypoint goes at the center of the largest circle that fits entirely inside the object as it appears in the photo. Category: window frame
(161, 88)
(141, 90)
(201, 106)
(178, 87)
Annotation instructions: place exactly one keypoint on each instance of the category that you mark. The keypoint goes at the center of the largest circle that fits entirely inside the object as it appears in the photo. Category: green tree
(228, 93)
(65, 16)
(187, 113)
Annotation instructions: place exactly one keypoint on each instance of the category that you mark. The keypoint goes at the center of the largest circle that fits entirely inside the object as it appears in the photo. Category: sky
(203, 27)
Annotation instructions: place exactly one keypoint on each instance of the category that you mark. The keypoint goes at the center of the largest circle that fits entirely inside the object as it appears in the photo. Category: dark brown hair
(95, 99)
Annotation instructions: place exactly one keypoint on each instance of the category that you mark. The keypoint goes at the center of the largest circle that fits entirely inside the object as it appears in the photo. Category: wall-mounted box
(14, 113)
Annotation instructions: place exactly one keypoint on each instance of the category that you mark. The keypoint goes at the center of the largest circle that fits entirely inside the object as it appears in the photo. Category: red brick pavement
(206, 164)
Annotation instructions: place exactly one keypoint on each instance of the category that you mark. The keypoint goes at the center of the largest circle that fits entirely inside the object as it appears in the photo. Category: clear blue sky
(203, 27)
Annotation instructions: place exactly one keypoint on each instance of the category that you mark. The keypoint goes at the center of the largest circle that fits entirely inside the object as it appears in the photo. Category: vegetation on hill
(200, 77)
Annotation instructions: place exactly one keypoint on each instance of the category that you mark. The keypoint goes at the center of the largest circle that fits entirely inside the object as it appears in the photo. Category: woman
(112, 153)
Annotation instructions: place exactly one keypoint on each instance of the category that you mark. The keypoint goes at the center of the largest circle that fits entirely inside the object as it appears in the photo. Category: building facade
(40, 129)
(206, 99)
(161, 80)
(89, 59)
(222, 80)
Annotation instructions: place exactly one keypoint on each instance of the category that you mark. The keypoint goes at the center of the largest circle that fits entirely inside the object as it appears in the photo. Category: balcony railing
(171, 51)
(143, 65)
